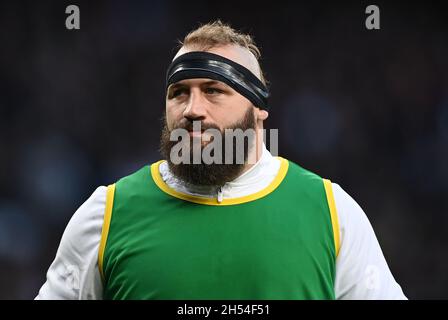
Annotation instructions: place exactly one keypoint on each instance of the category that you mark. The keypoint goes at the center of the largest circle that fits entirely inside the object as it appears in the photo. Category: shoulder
(86, 223)
(138, 176)
(297, 171)
(351, 215)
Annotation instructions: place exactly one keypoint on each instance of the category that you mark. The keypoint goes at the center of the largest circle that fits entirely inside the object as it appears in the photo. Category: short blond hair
(217, 33)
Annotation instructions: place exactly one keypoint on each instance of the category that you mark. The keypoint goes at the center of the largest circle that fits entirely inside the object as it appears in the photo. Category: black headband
(200, 64)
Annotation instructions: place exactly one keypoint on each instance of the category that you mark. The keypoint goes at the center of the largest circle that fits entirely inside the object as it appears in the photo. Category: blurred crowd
(367, 109)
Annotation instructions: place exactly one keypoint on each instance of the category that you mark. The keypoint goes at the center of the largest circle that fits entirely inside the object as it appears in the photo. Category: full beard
(214, 174)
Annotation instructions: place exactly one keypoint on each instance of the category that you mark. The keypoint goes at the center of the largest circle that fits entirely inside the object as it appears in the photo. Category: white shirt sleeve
(362, 272)
(74, 273)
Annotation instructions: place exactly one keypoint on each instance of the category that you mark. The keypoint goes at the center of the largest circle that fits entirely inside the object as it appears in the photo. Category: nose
(195, 108)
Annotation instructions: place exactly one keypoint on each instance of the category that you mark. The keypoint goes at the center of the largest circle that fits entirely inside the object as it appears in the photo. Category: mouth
(195, 133)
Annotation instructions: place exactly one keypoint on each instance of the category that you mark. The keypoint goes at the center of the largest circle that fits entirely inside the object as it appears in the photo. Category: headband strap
(200, 64)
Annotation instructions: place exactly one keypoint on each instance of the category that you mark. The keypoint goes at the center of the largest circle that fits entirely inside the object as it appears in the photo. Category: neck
(256, 151)
(255, 178)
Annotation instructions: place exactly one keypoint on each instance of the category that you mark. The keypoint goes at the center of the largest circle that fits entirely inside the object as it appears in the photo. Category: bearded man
(228, 222)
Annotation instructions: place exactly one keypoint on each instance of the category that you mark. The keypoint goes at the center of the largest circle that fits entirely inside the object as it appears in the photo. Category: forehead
(233, 52)
(197, 82)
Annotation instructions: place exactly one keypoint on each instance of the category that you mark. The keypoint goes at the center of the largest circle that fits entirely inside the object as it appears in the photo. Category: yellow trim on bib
(106, 224)
(155, 173)
(333, 213)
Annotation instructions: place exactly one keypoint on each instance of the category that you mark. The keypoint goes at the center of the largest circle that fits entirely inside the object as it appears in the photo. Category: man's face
(215, 105)
(210, 101)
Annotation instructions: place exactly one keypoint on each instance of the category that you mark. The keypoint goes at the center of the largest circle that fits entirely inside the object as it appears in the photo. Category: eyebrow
(206, 83)
(212, 82)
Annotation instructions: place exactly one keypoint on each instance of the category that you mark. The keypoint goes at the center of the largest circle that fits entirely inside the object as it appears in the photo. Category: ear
(261, 114)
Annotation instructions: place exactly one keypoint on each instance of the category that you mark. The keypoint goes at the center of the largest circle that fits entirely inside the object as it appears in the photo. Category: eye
(178, 92)
(211, 90)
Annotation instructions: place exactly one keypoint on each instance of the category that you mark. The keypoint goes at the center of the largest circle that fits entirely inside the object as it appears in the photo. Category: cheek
(172, 115)
(233, 110)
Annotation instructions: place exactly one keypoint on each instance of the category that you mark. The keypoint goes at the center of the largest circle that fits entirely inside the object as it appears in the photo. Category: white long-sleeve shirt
(361, 269)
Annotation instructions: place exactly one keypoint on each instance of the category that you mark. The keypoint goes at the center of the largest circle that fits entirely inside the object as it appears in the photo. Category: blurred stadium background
(367, 109)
